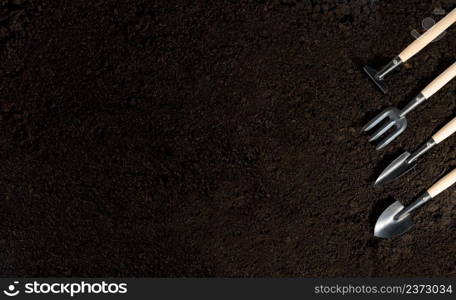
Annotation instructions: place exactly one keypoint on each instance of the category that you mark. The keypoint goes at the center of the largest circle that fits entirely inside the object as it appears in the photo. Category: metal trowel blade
(387, 226)
(399, 167)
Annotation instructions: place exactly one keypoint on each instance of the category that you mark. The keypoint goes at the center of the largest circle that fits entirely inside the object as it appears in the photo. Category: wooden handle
(428, 36)
(442, 184)
(439, 82)
(445, 131)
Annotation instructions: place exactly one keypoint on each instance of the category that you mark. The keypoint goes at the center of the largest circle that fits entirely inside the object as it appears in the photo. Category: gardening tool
(406, 161)
(415, 47)
(397, 118)
(396, 219)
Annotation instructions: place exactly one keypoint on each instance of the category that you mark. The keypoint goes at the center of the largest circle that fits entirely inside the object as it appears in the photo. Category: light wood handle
(442, 184)
(439, 82)
(445, 131)
(428, 36)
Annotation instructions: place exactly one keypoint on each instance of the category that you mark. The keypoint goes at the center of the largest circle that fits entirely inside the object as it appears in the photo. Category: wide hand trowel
(378, 77)
(396, 219)
(407, 161)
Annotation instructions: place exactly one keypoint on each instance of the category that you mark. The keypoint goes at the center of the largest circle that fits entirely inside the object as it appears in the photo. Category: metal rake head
(392, 119)
(373, 74)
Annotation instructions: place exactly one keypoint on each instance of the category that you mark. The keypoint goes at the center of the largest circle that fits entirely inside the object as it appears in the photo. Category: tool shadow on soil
(383, 163)
(378, 208)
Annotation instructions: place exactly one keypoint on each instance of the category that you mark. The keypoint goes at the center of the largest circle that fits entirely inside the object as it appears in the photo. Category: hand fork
(396, 118)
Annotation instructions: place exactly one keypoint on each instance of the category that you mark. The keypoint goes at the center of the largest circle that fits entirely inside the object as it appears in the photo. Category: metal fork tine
(391, 137)
(372, 123)
(381, 131)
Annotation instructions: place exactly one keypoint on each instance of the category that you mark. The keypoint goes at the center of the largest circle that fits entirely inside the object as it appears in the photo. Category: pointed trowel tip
(395, 169)
(383, 178)
(378, 181)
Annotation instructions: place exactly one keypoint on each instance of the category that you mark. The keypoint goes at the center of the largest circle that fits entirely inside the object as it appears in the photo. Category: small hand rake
(378, 77)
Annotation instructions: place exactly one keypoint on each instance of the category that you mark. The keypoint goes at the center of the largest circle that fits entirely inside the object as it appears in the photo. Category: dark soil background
(214, 138)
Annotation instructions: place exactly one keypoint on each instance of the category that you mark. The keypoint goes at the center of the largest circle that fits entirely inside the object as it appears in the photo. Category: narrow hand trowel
(396, 219)
(396, 118)
(379, 76)
(406, 161)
